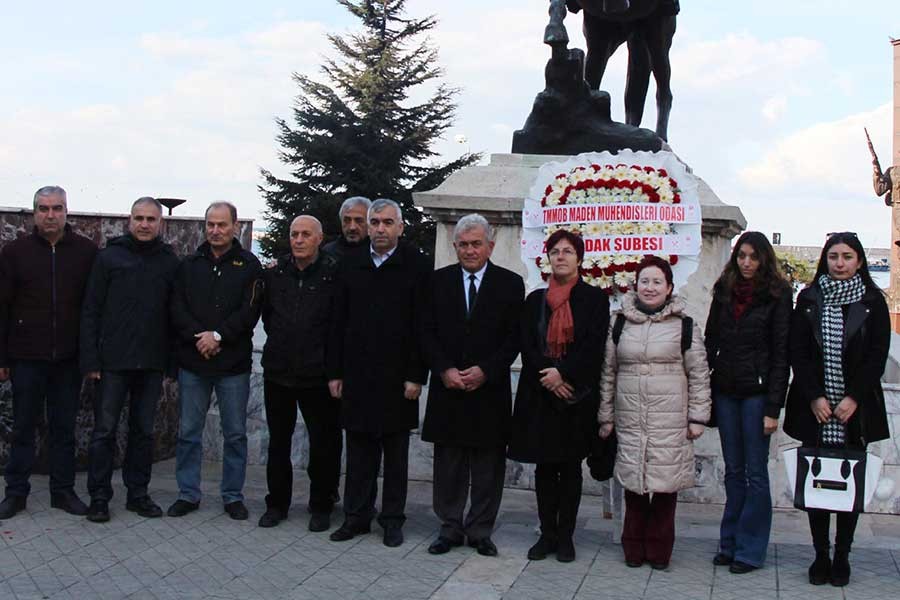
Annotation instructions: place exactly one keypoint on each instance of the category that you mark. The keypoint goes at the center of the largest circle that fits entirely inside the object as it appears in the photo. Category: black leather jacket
(749, 356)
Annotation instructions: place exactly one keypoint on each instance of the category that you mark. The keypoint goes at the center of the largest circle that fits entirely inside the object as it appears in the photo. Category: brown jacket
(651, 392)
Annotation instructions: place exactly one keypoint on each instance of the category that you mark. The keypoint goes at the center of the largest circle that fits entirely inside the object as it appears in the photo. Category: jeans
(33, 383)
(143, 388)
(322, 416)
(747, 519)
(232, 393)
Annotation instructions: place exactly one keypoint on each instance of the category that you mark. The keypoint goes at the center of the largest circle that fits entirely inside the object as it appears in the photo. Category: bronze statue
(882, 181)
(647, 26)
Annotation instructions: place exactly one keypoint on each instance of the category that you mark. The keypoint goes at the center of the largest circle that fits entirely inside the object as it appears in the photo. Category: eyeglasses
(831, 234)
(562, 251)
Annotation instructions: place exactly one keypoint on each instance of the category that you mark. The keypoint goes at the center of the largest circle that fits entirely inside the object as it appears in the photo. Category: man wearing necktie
(470, 341)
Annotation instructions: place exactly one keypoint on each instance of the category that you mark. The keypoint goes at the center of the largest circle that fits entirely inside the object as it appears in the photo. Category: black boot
(840, 567)
(820, 570)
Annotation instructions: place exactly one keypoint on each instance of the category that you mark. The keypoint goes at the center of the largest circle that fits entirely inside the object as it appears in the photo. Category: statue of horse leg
(637, 81)
(603, 38)
(555, 34)
(659, 36)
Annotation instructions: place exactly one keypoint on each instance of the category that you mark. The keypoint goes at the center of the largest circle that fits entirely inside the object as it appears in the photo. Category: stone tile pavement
(45, 553)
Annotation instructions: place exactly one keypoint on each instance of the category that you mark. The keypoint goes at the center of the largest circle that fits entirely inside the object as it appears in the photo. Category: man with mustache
(42, 280)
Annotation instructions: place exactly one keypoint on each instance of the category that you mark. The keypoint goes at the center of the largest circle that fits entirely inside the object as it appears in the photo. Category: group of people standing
(355, 326)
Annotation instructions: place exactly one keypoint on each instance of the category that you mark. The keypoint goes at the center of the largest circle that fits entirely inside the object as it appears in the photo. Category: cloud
(774, 108)
(825, 158)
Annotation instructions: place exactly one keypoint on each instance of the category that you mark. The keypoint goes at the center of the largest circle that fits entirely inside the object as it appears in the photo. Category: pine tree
(359, 134)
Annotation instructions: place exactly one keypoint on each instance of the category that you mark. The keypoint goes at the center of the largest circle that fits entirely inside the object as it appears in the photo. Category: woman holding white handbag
(840, 335)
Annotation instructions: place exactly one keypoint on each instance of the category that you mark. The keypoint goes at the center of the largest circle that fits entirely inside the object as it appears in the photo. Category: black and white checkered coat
(864, 343)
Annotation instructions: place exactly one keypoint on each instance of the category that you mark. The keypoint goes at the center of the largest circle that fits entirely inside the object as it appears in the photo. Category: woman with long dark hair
(840, 336)
(747, 349)
(554, 421)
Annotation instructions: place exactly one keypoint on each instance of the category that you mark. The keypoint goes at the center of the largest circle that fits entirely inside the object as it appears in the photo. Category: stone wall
(185, 234)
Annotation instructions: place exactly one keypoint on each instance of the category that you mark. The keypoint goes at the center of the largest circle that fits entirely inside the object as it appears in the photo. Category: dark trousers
(558, 489)
(35, 382)
(456, 469)
(322, 416)
(820, 524)
(364, 451)
(142, 389)
(649, 529)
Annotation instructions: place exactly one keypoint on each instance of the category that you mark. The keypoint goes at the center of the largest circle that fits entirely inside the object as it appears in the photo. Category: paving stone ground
(45, 553)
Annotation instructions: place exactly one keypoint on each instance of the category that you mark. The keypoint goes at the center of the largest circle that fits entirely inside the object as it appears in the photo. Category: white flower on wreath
(621, 259)
(604, 281)
(604, 260)
(624, 278)
(593, 229)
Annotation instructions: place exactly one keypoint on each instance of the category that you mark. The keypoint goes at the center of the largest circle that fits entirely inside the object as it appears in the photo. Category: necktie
(473, 294)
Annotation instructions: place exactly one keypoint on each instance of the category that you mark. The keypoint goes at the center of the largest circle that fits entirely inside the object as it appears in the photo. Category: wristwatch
(217, 336)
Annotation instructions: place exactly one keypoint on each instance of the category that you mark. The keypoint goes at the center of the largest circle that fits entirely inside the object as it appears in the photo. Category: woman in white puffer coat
(656, 395)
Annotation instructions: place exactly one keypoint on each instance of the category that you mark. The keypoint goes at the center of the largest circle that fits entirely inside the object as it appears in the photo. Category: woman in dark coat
(747, 348)
(554, 421)
(840, 336)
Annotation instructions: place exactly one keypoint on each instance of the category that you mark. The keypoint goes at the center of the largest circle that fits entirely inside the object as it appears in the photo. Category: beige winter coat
(651, 392)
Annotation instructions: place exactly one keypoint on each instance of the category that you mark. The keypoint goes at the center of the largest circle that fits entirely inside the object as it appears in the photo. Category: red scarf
(742, 297)
(561, 329)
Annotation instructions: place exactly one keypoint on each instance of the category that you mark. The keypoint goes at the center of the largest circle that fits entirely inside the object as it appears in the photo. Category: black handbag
(602, 459)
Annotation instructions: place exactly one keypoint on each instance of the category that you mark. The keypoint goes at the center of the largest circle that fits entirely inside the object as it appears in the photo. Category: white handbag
(834, 479)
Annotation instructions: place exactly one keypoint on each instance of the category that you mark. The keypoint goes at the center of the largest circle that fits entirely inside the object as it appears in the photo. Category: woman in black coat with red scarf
(840, 337)
(555, 417)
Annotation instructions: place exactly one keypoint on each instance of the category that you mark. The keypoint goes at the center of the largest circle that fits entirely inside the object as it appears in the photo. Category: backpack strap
(618, 324)
(687, 333)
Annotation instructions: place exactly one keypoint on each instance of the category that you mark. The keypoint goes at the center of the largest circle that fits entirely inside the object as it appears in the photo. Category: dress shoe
(820, 570)
(144, 507)
(544, 546)
(484, 546)
(69, 502)
(319, 522)
(98, 512)
(659, 566)
(237, 511)
(840, 568)
(634, 563)
(565, 550)
(721, 559)
(12, 505)
(272, 517)
(393, 537)
(442, 545)
(181, 508)
(348, 532)
(739, 568)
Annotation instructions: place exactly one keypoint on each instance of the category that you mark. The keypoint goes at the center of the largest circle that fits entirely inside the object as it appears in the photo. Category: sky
(116, 100)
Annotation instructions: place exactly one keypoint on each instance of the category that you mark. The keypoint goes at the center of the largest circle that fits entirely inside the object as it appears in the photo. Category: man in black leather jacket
(297, 313)
(125, 348)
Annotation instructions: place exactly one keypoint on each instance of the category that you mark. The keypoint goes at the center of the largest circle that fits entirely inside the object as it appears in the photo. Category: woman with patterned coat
(840, 336)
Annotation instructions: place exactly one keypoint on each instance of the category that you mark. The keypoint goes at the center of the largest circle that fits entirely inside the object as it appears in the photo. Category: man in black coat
(215, 305)
(297, 313)
(42, 280)
(125, 347)
(470, 341)
(376, 368)
(354, 230)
